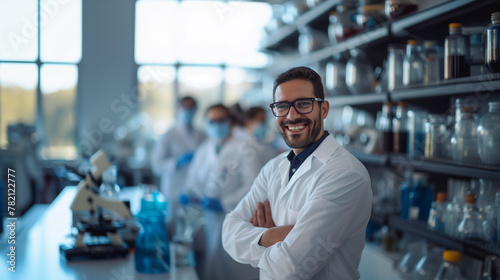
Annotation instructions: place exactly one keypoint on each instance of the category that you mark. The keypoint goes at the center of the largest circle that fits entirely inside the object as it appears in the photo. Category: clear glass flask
(471, 226)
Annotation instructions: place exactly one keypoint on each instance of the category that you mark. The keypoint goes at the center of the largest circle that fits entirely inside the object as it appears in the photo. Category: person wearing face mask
(173, 152)
(306, 214)
(222, 171)
(257, 132)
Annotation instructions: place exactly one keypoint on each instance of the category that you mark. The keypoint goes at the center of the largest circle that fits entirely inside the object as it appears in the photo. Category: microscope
(97, 235)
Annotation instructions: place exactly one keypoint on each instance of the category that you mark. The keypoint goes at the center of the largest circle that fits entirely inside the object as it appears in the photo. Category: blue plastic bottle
(420, 198)
(152, 248)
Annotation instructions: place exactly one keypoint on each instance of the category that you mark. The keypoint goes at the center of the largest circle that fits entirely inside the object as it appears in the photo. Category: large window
(39, 49)
(207, 49)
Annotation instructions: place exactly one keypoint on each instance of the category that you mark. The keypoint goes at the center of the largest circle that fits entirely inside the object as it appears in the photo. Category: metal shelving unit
(360, 99)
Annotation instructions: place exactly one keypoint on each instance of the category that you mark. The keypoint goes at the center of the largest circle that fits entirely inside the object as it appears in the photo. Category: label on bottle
(413, 213)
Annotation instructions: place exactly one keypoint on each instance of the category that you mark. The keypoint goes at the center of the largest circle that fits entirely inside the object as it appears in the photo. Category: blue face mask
(186, 116)
(218, 130)
(260, 132)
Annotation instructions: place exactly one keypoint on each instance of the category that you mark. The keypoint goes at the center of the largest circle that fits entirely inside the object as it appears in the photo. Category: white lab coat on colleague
(328, 200)
(177, 141)
(264, 150)
(227, 176)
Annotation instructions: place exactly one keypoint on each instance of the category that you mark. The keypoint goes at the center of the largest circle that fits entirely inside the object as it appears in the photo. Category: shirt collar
(307, 151)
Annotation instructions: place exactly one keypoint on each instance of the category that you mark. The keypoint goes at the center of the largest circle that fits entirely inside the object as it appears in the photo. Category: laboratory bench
(43, 228)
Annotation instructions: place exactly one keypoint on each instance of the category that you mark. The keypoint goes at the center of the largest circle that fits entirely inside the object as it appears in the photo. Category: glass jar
(488, 135)
(395, 58)
(415, 252)
(450, 268)
(464, 140)
(431, 63)
(456, 53)
(335, 76)
(346, 26)
(493, 43)
(332, 27)
(428, 266)
(413, 65)
(435, 136)
(398, 8)
(370, 16)
(359, 73)
(152, 251)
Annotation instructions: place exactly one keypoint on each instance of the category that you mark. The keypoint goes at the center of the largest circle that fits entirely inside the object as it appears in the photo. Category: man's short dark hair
(252, 112)
(301, 73)
(218, 106)
(188, 99)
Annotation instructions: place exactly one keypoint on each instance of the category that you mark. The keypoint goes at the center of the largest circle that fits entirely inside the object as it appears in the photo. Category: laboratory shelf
(474, 248)
(478, 85)
(488, 172)
(359, 99)
(288, 30)
(376, 159)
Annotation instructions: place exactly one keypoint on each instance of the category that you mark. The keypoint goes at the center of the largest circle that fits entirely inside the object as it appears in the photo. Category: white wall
(107, 84)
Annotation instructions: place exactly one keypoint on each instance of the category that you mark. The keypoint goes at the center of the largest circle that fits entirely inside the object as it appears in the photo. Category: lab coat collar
(324, 151)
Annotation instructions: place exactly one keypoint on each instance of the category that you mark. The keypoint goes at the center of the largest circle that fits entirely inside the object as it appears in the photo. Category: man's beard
(312, 134)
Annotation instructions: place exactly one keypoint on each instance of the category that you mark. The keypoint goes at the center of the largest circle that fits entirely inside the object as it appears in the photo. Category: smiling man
(305, 216)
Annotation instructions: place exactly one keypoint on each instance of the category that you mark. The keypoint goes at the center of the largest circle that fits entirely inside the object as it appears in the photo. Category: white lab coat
(328, 200)
(228, 177)
(177, 141)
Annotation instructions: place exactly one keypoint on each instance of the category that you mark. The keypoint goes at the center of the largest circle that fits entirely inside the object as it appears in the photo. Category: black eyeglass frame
(290, 104)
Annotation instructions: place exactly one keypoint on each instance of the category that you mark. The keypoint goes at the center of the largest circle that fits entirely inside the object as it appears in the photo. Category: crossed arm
(262, 218)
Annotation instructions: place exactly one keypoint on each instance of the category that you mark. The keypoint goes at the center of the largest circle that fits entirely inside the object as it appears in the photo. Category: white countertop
(37, 252)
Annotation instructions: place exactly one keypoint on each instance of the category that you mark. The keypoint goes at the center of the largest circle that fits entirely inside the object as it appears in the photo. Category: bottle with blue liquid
(416, 197)
(152, 248)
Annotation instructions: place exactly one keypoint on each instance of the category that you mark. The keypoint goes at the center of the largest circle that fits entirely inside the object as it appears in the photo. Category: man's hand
(274, 235)
(262, 216)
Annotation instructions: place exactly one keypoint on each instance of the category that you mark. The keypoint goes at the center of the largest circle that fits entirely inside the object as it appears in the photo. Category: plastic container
(456, 53)
(488, 135)
(413, 64)
(152, 250)
(493, 43)
(437, 214)
(450, 268)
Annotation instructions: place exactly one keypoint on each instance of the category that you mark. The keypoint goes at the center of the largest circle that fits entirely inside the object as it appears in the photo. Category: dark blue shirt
(297, 160)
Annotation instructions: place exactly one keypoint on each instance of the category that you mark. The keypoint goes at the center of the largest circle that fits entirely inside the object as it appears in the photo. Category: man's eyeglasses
(301, 105)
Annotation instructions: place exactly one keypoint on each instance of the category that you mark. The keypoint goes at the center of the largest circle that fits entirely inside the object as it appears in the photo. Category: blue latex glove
(184, 159)
(211, 204)
(184, 199)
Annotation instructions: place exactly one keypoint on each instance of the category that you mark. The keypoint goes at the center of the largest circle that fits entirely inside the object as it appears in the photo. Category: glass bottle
(464, 140)
(359, 73)
(428, 266)
(152, 251)
(437, 214)
(335, 76)
(493, 43)
(384, 126)
(398, 8)
(477, 61)
(420, 197)
(413, 65)
(450, 268)
(453, 217)
(370, 16)
(395, 58)
(488, 135)
(486, 194)
(416, 132)
(346, 26)
(332, 27)
(416, 250)
(431, 63)
(471, 226)
(400, 128)
(435, 136)
(456, 53)
(404, 192)
(491, 224)
(189, 219)
(109, 188)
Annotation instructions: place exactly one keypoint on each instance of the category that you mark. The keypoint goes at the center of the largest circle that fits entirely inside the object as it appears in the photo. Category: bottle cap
(495, 17)
(413, 42)
(468, 109)
(441, 196)
(373, 7)
(455, 25)
(470, 199)
(452, 256)
(429, 43)
(402, 103)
